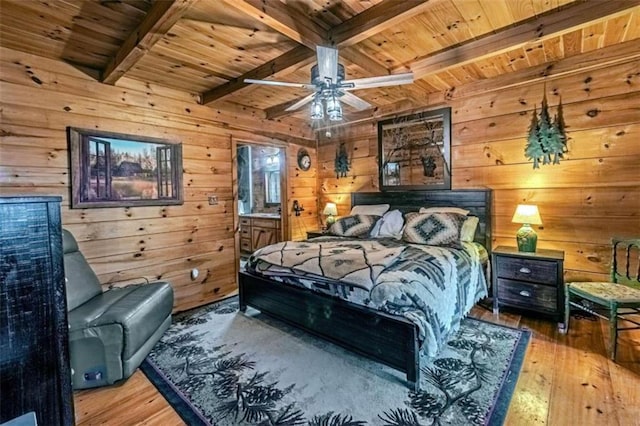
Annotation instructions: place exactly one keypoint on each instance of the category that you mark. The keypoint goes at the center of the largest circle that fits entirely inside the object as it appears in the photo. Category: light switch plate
(213, 200)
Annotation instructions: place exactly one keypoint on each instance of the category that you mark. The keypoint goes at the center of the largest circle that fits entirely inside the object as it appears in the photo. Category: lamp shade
(330, 209)
(526, 213)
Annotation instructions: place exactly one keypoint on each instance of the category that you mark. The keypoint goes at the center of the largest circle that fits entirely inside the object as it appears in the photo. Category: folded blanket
(357, 263)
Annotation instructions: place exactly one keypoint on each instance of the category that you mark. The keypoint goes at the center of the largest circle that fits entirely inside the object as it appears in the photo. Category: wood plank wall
(41, 97)
(592, 195)
(302, 187)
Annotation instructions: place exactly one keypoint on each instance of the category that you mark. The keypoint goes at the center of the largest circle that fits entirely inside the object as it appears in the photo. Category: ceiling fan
(329, 86)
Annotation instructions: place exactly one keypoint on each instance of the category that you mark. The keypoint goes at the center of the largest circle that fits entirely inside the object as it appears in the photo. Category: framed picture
(415, 151)
(117, 170)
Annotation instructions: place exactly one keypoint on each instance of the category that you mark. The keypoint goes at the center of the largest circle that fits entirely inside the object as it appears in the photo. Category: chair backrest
(81, 282)
(625, 261)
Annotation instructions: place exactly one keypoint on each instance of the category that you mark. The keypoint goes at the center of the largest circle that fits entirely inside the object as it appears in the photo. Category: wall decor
(304, 159)
(117, 170)
(415, 151)
(341, 163)
(547, 140)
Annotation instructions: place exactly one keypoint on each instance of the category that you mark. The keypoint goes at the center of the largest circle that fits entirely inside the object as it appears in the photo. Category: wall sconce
(297, 208)
(526, 237)
(547, 139)
(330, 210)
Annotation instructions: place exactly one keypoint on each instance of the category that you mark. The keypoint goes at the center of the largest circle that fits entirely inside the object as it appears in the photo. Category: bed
(391, 339)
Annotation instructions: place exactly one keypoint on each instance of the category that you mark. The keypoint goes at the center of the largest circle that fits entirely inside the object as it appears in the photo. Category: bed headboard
(477, 201)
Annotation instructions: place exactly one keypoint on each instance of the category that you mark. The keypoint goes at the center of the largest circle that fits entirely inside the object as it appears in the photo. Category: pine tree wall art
(547, 139)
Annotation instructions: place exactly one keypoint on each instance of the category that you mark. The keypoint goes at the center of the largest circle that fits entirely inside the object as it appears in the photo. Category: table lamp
(526, 237)
(331, 211)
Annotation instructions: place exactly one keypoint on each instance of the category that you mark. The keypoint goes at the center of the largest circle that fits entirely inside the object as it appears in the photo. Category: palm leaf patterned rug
(221, 367)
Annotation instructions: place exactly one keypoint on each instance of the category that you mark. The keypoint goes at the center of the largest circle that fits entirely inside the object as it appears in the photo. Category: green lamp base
(330, 220)
(527, 239)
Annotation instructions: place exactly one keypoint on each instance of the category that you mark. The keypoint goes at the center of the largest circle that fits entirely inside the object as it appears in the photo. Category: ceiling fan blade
(383, 80)
(327, 63)
(280, 83)
(354, 101)
(301, 102)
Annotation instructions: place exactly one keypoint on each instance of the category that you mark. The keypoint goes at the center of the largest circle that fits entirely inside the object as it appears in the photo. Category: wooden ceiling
(207, 47)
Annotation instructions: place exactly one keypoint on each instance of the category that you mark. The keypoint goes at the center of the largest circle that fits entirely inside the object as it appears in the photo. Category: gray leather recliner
(111, 332)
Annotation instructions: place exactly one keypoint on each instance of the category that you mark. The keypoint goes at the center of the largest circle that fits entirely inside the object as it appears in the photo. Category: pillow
(354, 226)
(372, 209)
(389, 226)
(444, 210)
(468, 232)
(435, 229)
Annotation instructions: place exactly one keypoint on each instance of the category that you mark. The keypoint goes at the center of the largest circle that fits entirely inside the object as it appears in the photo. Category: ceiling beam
(549, 25)
(279, 110)
(290, 59)
(376, 19)
(361, 60)
(161, 17)
(285, 20)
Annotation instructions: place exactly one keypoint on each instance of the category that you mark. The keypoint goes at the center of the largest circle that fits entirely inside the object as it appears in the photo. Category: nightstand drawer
(528, 295)
(538, 271)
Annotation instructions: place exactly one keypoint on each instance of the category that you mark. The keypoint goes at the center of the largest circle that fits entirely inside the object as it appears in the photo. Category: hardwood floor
(565, 380)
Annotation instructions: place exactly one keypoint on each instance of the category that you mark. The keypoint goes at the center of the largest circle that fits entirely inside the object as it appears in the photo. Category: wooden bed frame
(385, 338)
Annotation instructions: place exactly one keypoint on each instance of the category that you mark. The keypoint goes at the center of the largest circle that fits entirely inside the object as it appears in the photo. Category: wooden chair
(615, 300)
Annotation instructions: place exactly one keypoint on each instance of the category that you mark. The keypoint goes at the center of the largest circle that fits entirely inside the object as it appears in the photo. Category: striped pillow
(358, 225)
(434, 229)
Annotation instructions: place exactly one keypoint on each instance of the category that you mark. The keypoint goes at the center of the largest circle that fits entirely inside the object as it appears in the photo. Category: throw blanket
(357, 263)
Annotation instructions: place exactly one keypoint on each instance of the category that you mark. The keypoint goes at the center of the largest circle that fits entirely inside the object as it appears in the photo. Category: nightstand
(529, 281)
(313, 234)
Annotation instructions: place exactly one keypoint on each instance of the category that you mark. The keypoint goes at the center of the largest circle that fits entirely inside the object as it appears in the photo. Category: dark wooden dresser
(529, 281)
(34, 358)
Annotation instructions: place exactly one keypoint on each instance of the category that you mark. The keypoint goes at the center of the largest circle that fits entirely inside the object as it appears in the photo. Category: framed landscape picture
(117, 170)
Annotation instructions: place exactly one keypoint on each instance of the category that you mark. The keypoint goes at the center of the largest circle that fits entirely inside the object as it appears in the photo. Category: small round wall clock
(304, 159)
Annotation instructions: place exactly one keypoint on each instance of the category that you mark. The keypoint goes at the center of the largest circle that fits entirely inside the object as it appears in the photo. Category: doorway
(261, 182)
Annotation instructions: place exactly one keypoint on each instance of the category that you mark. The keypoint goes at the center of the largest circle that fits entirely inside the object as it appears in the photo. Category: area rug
(217, 366)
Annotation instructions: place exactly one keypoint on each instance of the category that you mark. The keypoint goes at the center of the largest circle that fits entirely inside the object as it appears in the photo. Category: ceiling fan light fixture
(334, 109)
(317, 110)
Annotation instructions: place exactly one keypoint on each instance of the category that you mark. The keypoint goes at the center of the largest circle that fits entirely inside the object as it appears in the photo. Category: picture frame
(414, 151)
(120, 170)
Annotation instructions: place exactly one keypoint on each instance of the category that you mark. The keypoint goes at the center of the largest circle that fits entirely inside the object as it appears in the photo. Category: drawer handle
(525, 293)
(525, 270)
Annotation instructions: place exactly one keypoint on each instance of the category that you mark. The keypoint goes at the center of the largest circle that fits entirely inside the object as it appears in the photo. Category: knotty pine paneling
(41, 97)
(591, 196)
(302, 187)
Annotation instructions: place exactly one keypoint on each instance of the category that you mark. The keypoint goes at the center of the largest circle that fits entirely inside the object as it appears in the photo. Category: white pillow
(370, 209)
(468, 231)
(390, 225)
(444, 210)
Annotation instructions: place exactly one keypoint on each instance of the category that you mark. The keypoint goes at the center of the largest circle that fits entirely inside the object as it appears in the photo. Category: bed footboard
(384, 338)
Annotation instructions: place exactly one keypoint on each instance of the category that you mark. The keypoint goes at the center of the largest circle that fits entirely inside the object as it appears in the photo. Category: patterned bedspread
(434, 287)
(357, 262)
